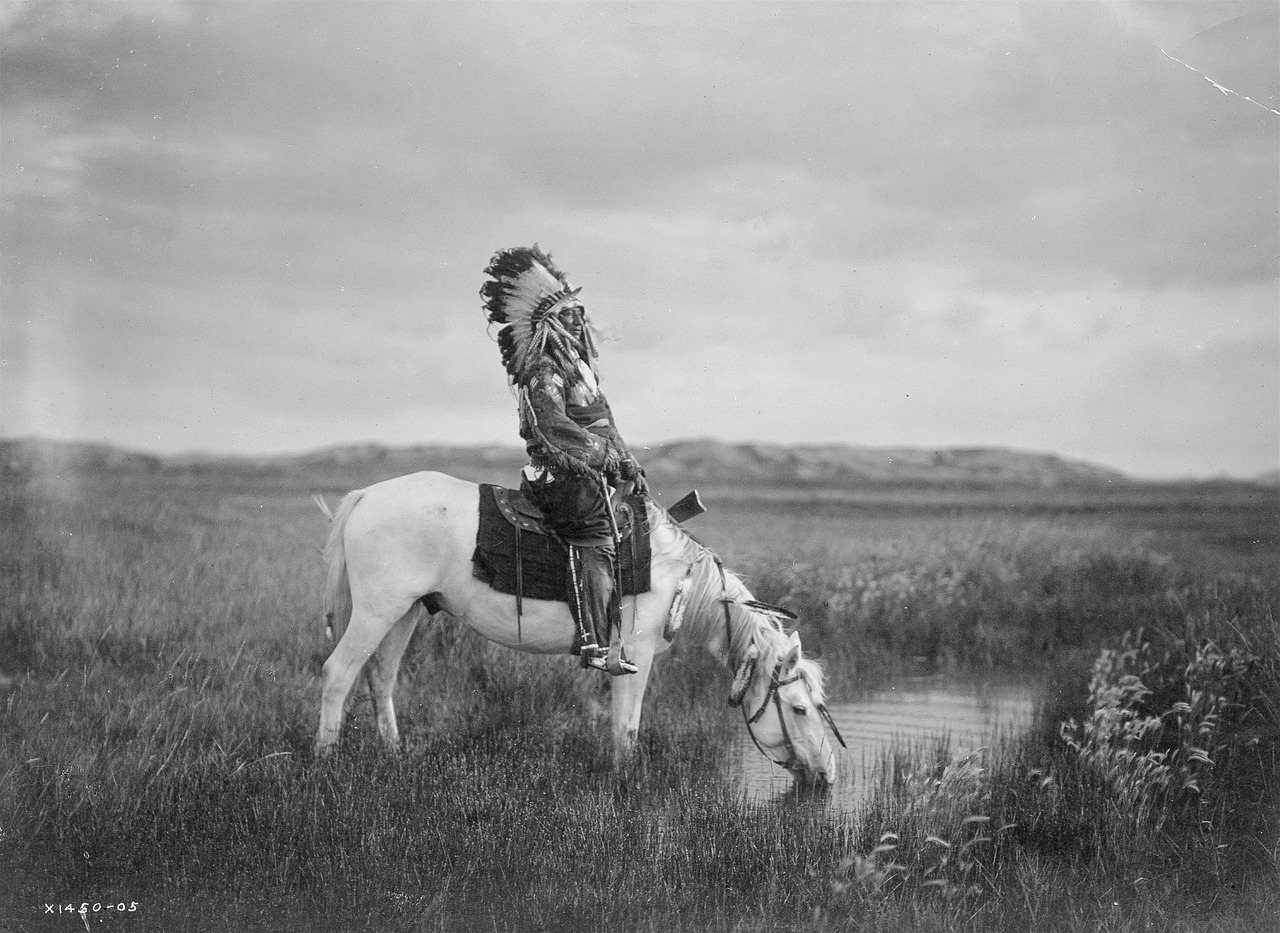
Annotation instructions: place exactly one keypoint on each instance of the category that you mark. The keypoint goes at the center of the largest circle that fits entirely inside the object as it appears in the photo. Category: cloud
(276, 215)
(1050, 128)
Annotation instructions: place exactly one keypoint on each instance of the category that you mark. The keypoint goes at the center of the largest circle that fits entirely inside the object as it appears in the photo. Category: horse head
(781, 696)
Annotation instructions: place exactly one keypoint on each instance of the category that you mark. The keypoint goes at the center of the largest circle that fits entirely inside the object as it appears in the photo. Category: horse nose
(824, 775)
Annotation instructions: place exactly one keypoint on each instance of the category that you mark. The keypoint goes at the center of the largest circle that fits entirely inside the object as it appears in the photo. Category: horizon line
(1264, 476)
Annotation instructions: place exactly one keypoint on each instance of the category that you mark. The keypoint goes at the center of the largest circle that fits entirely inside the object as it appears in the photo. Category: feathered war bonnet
(525, 297)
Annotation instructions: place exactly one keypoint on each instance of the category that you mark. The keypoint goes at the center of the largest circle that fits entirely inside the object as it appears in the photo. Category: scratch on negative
(1225, 90)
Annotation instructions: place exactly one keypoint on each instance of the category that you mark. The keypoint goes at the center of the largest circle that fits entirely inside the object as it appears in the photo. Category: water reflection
(915, 712)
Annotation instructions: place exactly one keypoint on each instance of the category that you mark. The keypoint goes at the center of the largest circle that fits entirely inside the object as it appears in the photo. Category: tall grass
(880, 590)
(159, 653)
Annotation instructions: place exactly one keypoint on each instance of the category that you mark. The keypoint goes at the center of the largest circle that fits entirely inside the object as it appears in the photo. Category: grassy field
(160, 645)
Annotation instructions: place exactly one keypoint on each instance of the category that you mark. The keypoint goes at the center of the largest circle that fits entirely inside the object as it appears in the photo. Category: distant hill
(28, 455)
(688, 461)
(844, 465)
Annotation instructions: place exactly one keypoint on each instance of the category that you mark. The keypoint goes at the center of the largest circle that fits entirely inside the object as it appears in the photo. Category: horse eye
(799, 711)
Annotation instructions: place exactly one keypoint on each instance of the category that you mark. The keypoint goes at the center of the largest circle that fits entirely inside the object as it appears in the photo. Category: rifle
(689, 507)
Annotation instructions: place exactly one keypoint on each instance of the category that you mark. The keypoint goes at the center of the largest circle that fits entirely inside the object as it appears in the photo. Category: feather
(524, 296)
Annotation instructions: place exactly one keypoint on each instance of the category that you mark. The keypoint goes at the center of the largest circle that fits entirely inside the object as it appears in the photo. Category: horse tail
(337, 590)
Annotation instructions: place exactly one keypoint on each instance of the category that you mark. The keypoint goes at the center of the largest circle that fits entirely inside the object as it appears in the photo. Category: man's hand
(633, 473)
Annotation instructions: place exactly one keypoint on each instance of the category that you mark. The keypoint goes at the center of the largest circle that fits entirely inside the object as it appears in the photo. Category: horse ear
(742, 679)
(792, 657)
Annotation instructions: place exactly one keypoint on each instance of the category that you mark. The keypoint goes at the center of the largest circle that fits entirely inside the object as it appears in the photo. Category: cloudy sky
(261, 227)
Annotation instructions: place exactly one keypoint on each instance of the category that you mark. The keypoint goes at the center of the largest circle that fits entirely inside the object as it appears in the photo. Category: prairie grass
(160, 645)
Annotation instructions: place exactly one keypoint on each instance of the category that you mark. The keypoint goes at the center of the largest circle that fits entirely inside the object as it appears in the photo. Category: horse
(405, 544)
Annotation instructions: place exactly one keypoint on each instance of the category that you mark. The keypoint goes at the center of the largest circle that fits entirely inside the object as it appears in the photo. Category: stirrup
(602, 664)
(617, 662)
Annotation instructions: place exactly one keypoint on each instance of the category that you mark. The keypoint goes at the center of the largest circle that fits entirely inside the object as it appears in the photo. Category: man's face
(572, 319)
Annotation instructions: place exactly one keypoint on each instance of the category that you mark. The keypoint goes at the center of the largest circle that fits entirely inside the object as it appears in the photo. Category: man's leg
(598, 567)
(577, 509)
(597, 588)
(580, 588)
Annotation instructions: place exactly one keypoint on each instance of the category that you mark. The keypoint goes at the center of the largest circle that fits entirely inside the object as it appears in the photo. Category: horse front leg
(628, 699)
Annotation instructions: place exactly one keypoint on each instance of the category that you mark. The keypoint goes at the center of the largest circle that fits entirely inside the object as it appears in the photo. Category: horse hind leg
(364, 634)
(381, 671)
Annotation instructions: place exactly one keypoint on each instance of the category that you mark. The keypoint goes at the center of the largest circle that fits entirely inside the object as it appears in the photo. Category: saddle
(518, 510)
(517, 555)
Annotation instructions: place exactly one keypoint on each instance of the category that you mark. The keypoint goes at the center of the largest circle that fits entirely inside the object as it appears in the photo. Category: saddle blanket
(507, 531)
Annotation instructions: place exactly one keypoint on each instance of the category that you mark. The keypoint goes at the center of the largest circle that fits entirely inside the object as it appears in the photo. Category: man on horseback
(577, 459)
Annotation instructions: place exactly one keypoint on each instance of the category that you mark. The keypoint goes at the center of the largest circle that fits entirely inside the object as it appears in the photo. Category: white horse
(397, 542)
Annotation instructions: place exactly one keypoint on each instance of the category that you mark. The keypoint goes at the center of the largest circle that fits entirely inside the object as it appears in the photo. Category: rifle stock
(689, 507)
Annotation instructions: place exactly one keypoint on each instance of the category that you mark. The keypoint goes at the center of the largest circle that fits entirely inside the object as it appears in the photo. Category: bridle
(776, 683)
(775, 695)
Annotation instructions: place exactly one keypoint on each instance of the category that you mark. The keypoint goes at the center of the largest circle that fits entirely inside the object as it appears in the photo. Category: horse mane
(704, 618)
